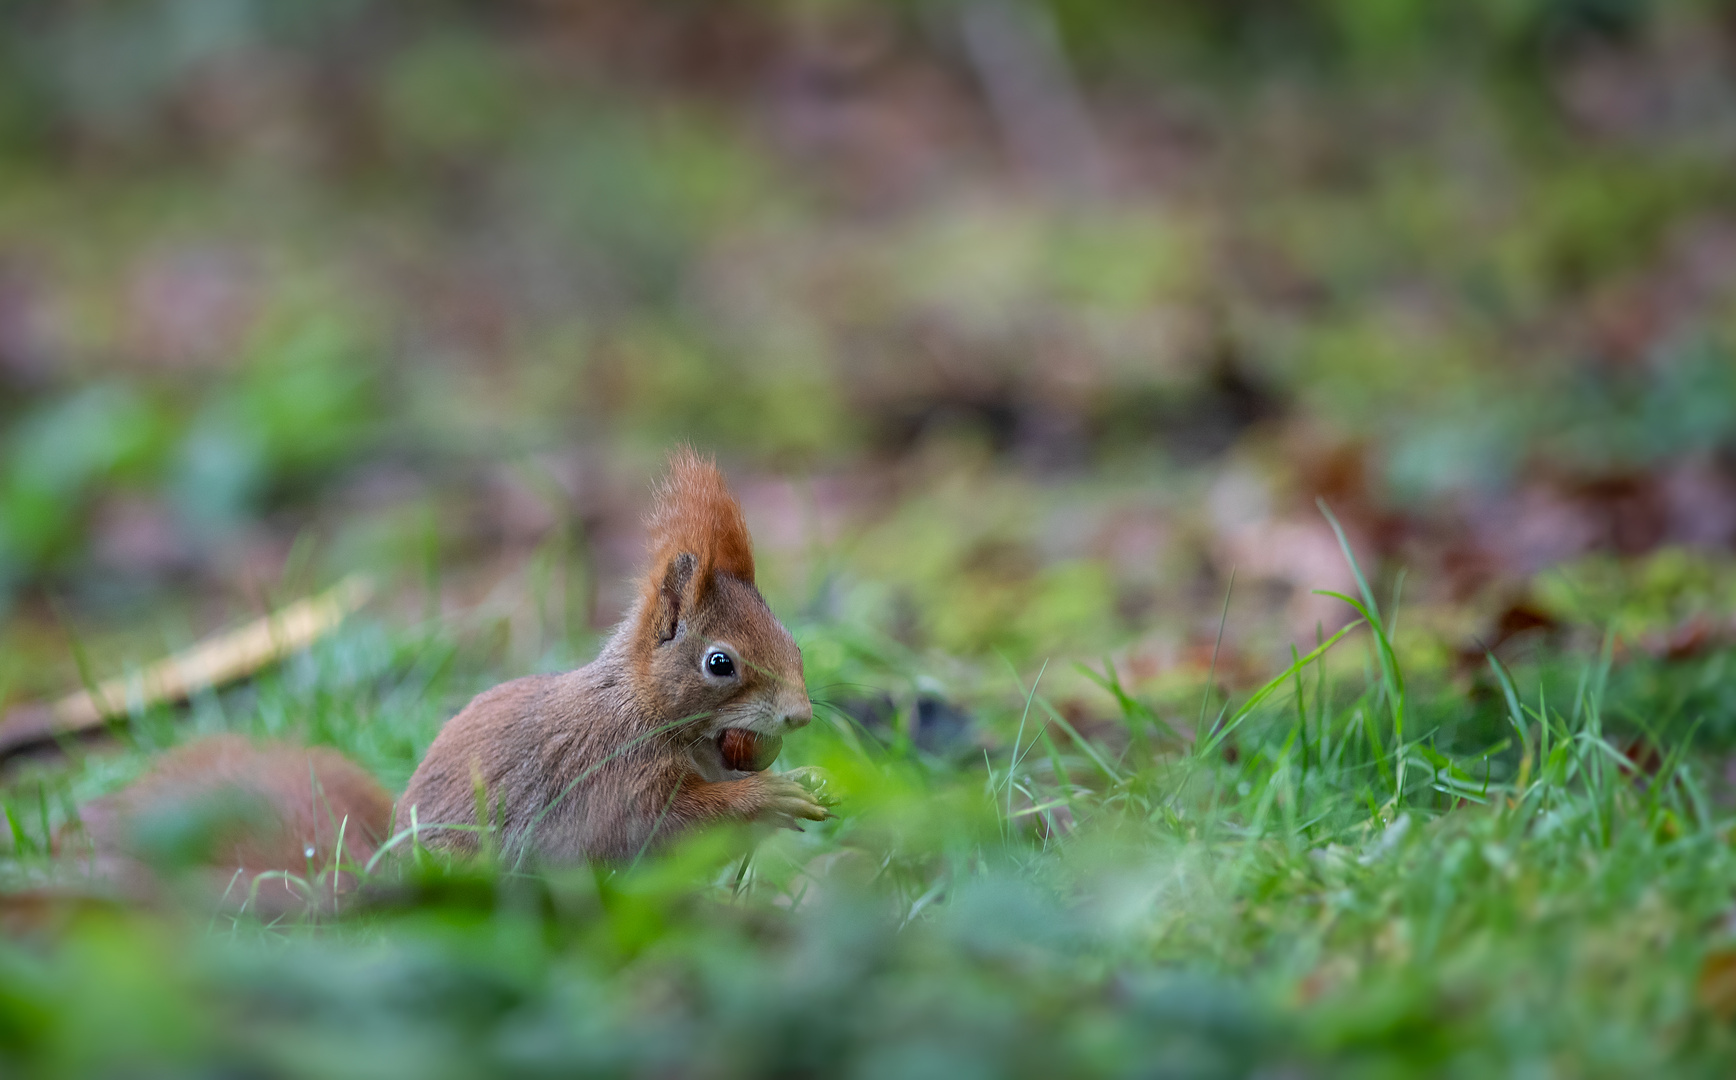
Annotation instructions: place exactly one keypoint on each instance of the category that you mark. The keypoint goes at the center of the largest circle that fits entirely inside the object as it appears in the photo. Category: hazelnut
(748, 751)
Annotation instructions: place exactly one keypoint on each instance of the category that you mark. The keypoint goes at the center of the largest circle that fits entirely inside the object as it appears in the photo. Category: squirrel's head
(705, 646)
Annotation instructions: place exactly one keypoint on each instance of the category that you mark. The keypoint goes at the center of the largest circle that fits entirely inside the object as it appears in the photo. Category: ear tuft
(695, 513)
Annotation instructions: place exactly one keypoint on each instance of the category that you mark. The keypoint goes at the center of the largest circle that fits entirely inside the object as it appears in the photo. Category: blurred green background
(1022, 327)
(1041, 317)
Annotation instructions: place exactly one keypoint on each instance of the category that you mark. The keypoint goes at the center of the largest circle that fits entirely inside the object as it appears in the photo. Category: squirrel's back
(545, 755)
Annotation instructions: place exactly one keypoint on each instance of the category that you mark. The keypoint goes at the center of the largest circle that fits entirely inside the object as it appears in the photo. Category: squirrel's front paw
(786, 803)
(816, 781)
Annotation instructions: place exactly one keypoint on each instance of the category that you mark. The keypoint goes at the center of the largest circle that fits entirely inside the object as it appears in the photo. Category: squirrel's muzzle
(797, 713)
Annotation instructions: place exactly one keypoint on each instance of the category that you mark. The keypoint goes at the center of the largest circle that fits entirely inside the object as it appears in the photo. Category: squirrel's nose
(799, 715)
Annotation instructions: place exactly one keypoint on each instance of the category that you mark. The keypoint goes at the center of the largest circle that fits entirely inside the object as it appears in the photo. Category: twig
(211, 663)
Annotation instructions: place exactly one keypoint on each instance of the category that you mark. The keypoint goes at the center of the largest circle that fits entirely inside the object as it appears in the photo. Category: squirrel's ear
(696, 532)
(672, 595)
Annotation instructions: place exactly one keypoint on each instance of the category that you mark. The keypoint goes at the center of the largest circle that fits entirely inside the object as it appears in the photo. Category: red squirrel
(600, 761)
(665, 730)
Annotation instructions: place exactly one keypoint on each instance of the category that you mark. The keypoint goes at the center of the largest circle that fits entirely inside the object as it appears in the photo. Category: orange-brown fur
(280, 801)
(695, 512)
(600, 761)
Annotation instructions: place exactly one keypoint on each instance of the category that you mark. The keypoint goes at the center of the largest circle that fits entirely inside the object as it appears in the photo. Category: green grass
(1294, 888)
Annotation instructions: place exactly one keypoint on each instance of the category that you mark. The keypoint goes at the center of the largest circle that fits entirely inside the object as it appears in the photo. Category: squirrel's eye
(718, 664)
